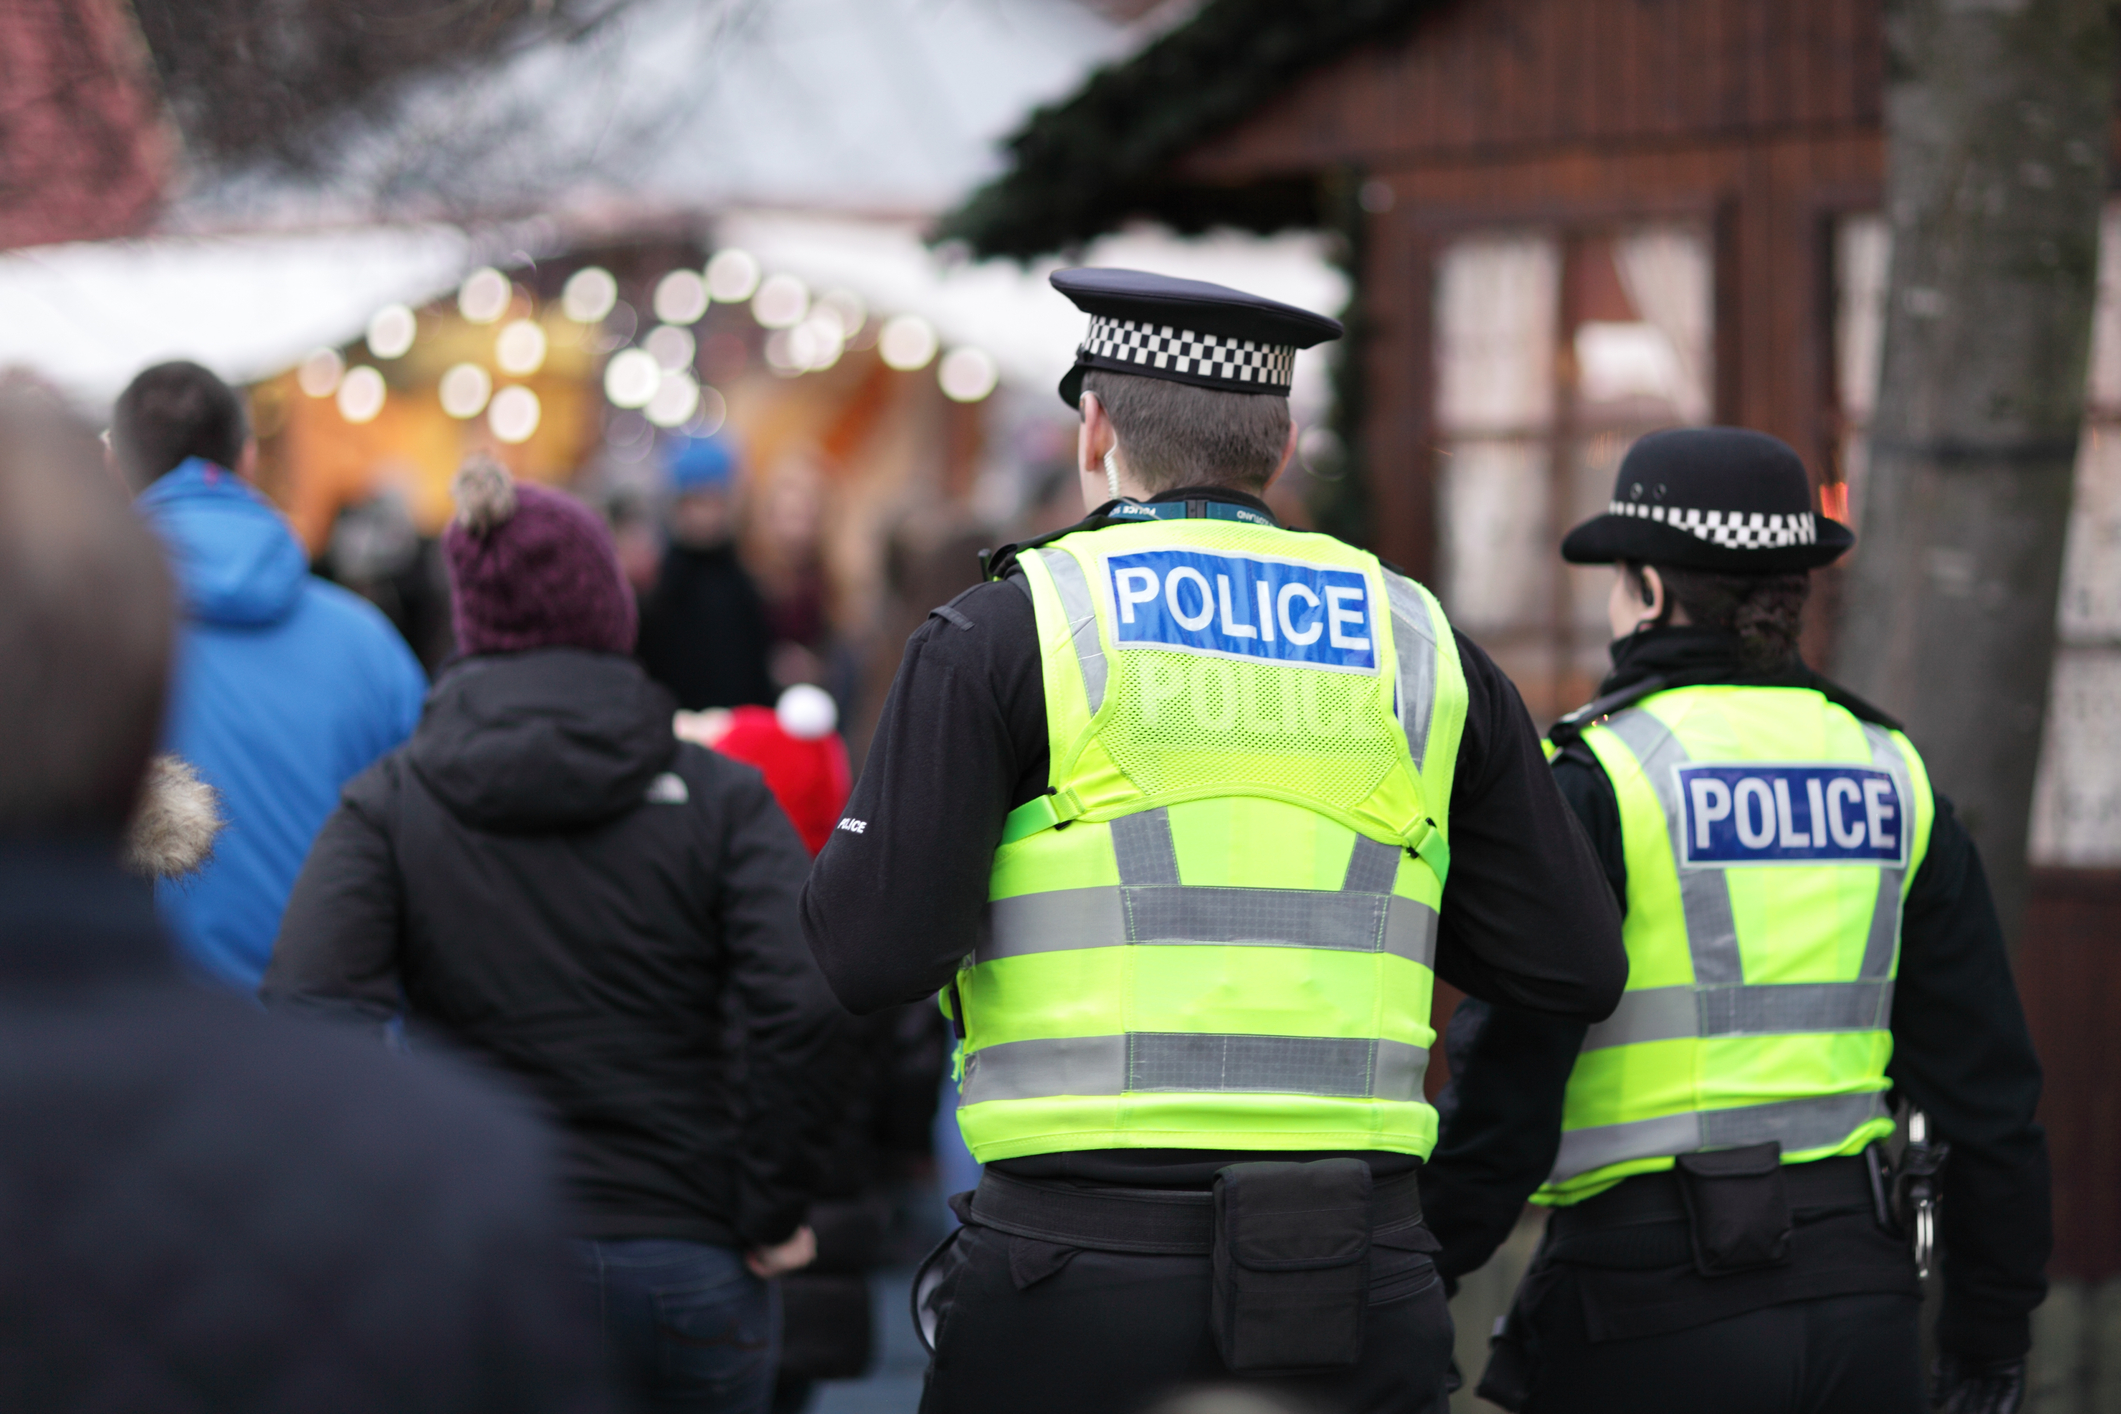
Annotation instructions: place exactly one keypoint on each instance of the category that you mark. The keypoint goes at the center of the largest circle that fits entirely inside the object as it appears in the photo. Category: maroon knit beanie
(532, 568)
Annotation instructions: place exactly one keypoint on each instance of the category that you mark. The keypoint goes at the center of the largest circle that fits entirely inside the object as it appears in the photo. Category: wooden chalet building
(1568, 222)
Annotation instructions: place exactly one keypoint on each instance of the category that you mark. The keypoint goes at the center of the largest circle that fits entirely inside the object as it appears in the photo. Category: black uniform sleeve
(1510, 1070)
(337, 951)
(1583, 784)
(1528, 917)
(896, 897)
(1501, 1127)
(1962, 1052)
(792, 1035)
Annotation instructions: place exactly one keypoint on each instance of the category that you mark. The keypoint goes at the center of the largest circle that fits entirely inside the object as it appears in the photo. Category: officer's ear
(1649, 590)
(1095, 441)
(1288, 454)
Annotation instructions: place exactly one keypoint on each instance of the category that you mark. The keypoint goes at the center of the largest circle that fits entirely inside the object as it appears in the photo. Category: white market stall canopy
(1008, 311)
(90, 316)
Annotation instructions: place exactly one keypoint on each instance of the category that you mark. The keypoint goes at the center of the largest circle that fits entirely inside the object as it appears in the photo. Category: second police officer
(1183, 811)
(1810, 938)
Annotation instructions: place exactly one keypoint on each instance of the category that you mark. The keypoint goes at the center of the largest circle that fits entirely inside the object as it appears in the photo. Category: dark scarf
(1691, 656)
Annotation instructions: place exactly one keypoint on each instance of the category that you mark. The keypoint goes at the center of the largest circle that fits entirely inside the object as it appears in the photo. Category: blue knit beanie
(700, 464)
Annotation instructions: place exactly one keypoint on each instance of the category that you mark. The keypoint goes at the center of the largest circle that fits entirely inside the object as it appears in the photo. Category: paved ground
(894, 1387)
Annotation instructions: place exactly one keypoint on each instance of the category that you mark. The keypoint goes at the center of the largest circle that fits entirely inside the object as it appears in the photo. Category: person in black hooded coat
(545, 878)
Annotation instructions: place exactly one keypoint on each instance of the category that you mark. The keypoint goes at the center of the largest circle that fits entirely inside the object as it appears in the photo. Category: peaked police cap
(1187, 331)
(1723, 499)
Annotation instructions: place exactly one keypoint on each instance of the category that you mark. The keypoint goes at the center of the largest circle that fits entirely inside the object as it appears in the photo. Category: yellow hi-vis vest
(1217, 932)
(1770, 838)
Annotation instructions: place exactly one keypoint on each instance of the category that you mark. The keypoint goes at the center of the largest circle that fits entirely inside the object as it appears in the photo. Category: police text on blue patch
(1782, 813)
(1239, 606)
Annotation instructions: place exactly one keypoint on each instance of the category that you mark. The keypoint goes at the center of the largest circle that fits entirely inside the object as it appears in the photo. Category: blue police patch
(1236, 606)
(1763, 813)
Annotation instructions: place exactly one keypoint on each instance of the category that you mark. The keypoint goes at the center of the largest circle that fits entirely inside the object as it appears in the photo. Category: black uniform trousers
(1850, 1354)
(1617, 1313)
(1037, 1329)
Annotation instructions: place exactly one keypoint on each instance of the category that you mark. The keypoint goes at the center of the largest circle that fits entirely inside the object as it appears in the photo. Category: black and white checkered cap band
(1243, 362)
(1734, 530)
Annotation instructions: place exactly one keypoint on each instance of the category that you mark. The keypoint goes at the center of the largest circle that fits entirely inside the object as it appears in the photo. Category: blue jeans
(686, 1324)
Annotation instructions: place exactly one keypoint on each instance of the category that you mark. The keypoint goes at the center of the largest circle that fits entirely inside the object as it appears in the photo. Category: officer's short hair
(1174, 434)
(1766, 611)
(85, 626)
(174, 411)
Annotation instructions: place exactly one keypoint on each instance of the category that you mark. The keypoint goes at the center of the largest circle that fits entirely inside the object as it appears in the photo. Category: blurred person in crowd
(896, 1067)
(882, 1157)
(795, 744)
(704, 633)
(377, 551)
(638, 538)
(928, 560)
(286, 686)
(546, 878)
(786, 552)
(208, 1207)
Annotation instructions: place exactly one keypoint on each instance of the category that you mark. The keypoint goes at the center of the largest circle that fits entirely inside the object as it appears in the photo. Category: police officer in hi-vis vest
(1810, 943)
(1182, 812)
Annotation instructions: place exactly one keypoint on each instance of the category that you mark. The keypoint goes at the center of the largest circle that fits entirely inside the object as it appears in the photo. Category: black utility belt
(1738, 1206)
(1290, 1244)
(1658, 1197)
(1173, 1222)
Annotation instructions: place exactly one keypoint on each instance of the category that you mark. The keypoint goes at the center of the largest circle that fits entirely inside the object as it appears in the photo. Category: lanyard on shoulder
(994, 564)
(1201, 509)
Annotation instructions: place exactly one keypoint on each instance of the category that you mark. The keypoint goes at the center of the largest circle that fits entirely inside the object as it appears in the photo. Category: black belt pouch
(1292, 1264)
(1738, 1208)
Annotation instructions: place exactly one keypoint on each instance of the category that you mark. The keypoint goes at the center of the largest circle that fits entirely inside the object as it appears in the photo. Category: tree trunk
(1997, 117)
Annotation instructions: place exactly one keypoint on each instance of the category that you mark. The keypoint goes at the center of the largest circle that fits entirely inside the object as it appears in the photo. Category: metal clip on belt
(1158, 1221)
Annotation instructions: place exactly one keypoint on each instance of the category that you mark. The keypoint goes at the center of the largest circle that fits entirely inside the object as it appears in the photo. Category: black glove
(1978, 1387)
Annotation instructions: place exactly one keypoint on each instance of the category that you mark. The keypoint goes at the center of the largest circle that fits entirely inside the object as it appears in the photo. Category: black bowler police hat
(1711, 498)
(1157, 326)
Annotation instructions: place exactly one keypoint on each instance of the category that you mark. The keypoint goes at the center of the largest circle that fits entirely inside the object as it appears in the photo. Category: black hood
(556, 739)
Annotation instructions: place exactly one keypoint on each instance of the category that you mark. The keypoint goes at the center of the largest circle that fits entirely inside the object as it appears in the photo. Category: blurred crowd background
(667, 256)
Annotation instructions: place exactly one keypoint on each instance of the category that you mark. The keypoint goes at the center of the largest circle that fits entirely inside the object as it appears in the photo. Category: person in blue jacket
(286, 686)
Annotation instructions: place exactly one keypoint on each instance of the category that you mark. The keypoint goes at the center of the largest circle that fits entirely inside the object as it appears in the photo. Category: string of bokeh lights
(654, 374)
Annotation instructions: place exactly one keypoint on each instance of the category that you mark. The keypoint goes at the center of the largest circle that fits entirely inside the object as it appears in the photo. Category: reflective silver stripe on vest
(1074, 587)
(1184, 1062)
(1414, 640)
(1884, 938)
(1813, 1123)
(1145, 850)
(1705, 896)
(1673, 1013)
(1150, 906)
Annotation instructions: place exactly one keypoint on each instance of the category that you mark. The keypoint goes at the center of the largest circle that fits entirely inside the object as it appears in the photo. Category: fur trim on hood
(172, 833)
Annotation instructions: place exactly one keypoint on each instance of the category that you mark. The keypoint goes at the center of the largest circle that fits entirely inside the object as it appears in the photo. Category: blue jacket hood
(235, 559)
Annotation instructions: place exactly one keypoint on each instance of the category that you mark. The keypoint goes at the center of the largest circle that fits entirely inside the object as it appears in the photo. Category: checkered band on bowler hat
(1248, 366)
(1735, 530)
(1186, 331)
(1711, 498)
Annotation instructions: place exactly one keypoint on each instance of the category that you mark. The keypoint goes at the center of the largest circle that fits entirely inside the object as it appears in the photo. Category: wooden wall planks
(1486, 75)
(2069, 972)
